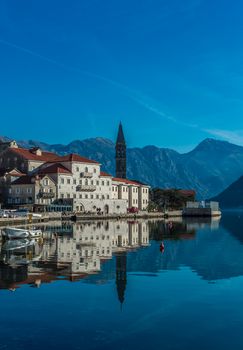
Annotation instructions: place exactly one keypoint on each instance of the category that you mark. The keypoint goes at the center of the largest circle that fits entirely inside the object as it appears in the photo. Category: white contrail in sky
(134, 95)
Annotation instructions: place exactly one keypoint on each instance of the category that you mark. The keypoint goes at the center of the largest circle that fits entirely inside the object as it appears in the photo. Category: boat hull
(17, 233)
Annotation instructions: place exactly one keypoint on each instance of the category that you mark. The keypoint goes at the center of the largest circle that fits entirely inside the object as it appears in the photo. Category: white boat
(17, 244)
(13, 233)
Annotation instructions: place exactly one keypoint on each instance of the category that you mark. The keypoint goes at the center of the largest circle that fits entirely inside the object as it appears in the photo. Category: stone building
(32, 190)
(6, 179)
(25, 160)
(74, 180)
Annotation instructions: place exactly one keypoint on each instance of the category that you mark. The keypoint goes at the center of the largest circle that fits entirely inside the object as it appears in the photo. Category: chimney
(36, 150)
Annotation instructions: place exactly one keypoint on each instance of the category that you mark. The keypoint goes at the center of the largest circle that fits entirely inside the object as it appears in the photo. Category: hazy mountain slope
(232, 196)
(215, 163)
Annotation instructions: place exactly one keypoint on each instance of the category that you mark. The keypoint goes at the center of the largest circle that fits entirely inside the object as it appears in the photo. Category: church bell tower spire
(121, 158)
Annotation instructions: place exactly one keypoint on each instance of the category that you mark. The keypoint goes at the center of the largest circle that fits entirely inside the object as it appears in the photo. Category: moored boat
(17, 233)
(17, 244)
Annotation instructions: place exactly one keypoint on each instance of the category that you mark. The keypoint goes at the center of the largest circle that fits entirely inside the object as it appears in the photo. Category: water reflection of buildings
(73, 252)
(84, 251)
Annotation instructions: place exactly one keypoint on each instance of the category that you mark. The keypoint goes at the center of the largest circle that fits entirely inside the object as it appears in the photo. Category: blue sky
(170, 70)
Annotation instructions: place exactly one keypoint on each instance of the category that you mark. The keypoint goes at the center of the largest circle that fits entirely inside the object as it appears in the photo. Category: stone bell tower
(121, 154)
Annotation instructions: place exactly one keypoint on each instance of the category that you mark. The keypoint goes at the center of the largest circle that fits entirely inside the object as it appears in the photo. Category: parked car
(4, 213)
(133, 210)
(20, 212)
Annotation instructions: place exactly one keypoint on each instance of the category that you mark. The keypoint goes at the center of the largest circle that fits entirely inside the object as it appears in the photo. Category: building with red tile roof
(56, 168)
(73, 157)
(104, 174)
(74, 179)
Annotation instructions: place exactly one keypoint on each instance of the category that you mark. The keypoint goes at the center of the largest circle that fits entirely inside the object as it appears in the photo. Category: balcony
(46, 195)
(86, 174)
(86, 188)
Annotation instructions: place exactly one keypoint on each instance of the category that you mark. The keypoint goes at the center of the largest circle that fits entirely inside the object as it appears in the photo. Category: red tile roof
(126, 181)
(188, 192)
(51, 157)
(102, 173)
(13, 172)
(27, 154)
(73, 157)
(55, 169)
(26, 180)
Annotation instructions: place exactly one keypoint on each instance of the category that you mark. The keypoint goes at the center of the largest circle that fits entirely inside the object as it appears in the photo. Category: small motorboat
(17, 244)
(17, 233)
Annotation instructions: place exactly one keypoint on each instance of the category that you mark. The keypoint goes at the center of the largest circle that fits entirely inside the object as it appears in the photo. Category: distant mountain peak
(213, 144)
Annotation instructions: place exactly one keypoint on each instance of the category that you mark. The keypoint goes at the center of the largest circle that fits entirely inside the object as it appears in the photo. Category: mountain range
(209, 168)
(232, 196)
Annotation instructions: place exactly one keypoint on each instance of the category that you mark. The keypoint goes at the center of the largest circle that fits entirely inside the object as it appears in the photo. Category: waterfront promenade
(57, 216)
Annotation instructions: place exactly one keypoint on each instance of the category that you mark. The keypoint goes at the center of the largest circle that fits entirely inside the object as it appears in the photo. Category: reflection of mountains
(85, 251)
(211, 254)
(232, 221)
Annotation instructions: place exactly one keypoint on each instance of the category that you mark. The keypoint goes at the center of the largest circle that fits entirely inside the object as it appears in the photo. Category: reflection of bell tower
(121, 275)
(121, 150)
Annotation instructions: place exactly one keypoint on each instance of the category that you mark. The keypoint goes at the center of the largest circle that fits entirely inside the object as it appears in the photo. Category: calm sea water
(110, 286)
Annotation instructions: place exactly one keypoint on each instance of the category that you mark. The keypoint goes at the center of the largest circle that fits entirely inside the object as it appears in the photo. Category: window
(107, 183)
(74, 195)
(97, 183)
(46, 182)
(62, 181)
(86, 196)
(107, 196)
(86, 169)
(68, 181)
(91, 196)
(77, 168)
(103, 183)
(10, 191)
(97, 196)
(94, 170)
(80, 196)
(68, 195)
(74, 181)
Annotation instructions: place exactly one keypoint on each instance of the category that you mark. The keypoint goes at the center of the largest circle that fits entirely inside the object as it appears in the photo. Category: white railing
(86, 188)
(86, 174)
